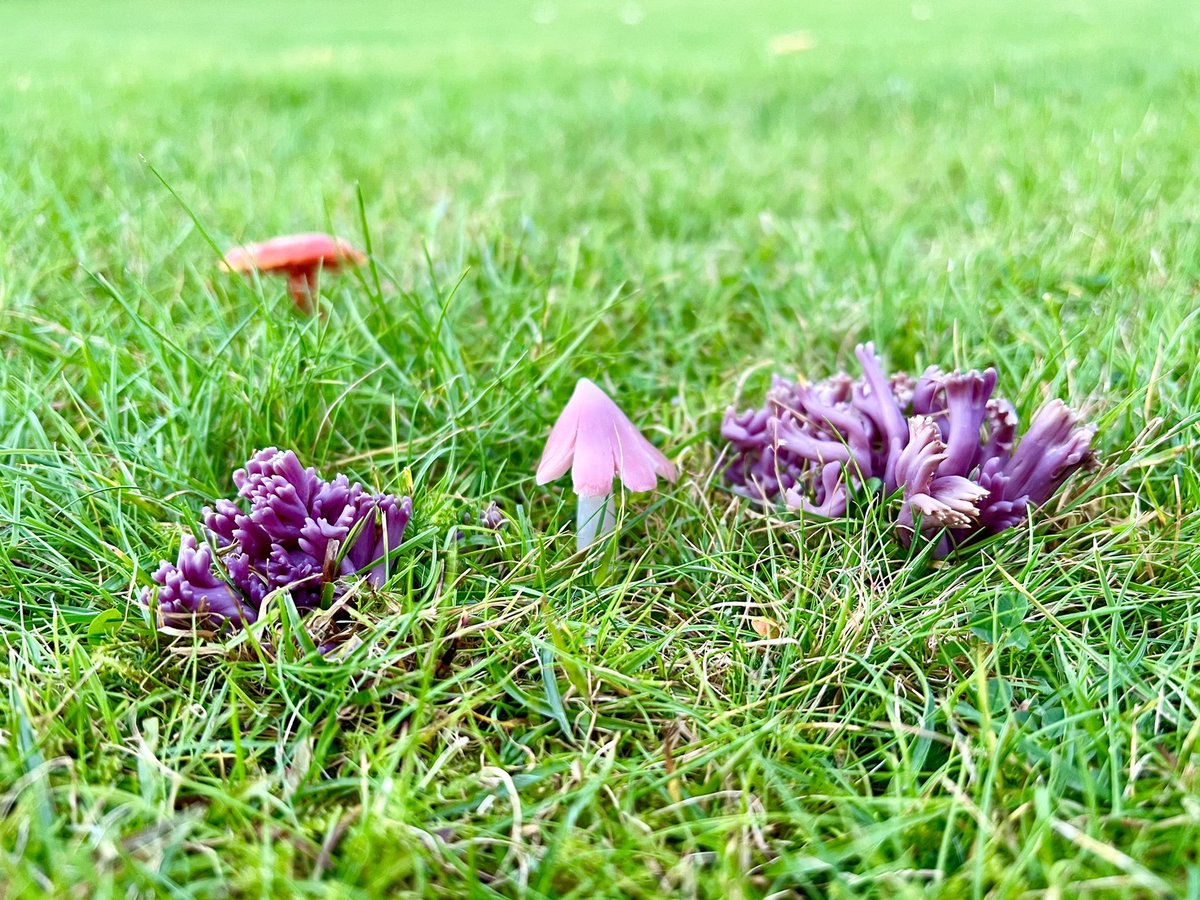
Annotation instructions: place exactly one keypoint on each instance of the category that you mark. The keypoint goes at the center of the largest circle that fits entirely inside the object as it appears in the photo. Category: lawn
(645, 194)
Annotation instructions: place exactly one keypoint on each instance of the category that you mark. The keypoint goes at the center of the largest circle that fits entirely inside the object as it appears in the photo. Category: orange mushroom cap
(293, 253)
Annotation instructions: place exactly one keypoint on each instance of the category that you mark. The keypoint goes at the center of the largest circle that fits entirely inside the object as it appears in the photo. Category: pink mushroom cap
(293, 253)
(598, 443)
(298, 256)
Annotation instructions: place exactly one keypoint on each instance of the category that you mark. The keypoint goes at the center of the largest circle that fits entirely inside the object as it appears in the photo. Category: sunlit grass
(649, 197)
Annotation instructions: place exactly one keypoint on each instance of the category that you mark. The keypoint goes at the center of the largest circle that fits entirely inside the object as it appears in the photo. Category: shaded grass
(669, 210)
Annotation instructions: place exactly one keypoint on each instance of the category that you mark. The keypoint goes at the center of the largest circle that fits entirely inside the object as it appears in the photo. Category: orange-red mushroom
(298, 256)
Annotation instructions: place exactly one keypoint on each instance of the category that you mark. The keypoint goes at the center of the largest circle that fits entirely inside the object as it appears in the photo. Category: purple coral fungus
(300, 534)
(943, 442)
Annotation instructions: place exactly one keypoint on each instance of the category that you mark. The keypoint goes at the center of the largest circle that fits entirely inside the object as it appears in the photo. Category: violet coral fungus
(943, 442)
(492, 518)
(301, 533)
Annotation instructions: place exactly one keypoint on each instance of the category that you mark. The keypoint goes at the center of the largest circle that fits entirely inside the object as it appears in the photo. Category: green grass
(645, 195)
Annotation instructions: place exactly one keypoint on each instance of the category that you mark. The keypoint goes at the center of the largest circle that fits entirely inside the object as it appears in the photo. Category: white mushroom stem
(594, 518)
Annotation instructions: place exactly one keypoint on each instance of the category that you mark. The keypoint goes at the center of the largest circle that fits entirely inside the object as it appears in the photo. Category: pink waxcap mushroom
(598, 443)
(298, 256)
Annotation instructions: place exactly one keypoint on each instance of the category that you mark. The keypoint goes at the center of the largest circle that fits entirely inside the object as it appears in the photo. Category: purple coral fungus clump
(942, 441)
(300, 533)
